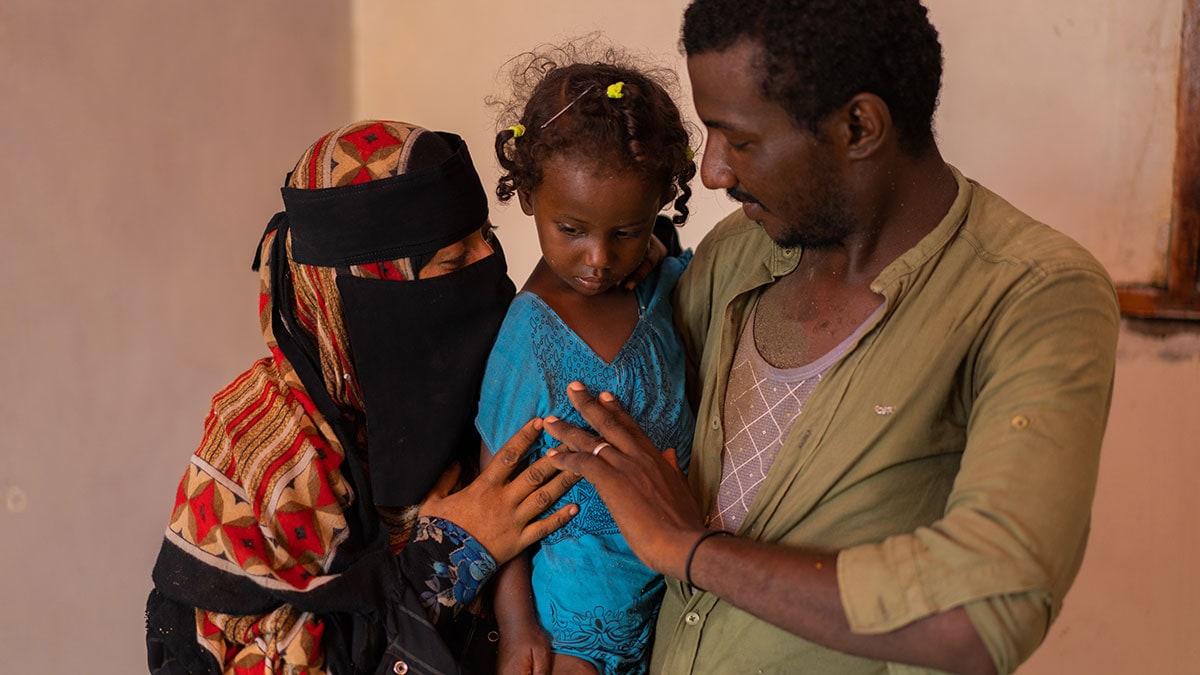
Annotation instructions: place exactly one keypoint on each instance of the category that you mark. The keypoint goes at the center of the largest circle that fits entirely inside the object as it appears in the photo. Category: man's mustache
(739, 196)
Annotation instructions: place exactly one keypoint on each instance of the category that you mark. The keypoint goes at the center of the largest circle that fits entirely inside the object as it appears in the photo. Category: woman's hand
(502, 513)
(643, 488)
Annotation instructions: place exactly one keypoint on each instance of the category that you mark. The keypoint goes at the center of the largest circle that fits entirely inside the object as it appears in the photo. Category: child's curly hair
(561, 105)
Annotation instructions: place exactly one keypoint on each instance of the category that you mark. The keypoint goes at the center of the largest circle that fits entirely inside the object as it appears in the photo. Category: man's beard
(827, 225)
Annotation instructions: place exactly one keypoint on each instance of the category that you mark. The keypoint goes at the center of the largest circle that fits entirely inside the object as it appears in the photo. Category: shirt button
(400, 668)
(716, 422)
(691, 619)
(1020, 422)
(789, 252)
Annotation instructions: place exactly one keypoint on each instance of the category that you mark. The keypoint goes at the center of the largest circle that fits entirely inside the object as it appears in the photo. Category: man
(902, 381)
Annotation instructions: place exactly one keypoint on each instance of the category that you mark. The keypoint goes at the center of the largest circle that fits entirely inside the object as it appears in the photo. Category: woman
(302, 539)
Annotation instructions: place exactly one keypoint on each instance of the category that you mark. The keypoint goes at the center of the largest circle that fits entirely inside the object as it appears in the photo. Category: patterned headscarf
(354, 154)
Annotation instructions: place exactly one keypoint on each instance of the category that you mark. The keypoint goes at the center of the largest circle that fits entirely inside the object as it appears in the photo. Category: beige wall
(145, 142)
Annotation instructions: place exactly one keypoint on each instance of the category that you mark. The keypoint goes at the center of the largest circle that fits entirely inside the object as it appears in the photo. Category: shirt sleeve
(1013, 533)
(446, 564)
(513, 390)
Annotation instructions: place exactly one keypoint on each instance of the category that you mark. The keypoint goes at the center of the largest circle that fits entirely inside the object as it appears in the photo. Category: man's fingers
(571, 436)
(575, 464)
(606, 416)
(509, 455)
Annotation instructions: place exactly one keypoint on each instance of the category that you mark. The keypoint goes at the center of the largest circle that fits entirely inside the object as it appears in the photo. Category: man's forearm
(798, 592)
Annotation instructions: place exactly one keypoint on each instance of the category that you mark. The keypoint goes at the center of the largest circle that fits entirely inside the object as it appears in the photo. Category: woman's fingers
(537, 530)
(508, 457)
(537, 488)
(445, 483)
(500, 509)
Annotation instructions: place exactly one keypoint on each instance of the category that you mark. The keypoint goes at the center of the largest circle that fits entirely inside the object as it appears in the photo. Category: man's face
(786, 177)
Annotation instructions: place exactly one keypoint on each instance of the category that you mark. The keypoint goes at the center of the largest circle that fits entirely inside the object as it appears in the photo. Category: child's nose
(598, 257)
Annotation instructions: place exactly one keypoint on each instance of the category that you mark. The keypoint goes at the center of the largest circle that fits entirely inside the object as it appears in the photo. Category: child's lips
(594, 283)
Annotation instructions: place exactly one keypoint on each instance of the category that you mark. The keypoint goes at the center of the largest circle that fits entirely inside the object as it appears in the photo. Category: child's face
(594, 224)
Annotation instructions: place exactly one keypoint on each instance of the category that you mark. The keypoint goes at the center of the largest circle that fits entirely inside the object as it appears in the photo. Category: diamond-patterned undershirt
(761, 404)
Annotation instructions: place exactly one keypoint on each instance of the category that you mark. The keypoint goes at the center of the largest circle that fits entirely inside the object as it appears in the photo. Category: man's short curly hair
(818, 54)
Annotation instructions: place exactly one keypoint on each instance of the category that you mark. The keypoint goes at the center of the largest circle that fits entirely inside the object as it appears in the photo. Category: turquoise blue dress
(593, 596)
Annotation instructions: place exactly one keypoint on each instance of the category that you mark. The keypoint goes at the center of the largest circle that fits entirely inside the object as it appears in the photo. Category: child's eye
(628, 234)
(568, 230)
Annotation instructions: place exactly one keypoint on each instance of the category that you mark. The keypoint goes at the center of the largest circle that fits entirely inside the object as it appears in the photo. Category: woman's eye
(453, 259)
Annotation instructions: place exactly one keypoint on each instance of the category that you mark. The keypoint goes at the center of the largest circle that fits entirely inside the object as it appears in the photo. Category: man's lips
(753, 210)
(750, 205)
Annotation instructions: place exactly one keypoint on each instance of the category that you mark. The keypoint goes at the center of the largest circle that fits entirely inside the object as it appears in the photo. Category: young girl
(597, 151)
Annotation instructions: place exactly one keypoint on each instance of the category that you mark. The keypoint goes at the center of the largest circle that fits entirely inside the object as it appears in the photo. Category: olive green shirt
(950, 456)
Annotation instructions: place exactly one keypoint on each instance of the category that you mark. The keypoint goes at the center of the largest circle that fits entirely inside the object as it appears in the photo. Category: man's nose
(714, 166)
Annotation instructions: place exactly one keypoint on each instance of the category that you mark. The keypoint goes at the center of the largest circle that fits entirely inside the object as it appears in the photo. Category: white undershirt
(761, 404)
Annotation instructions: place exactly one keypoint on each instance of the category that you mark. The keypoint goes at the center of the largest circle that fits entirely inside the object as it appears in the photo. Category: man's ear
(526, 201)
(868, 124)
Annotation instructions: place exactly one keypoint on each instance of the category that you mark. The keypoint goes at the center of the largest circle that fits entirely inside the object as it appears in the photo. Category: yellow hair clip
(614, 90)
(518, 130)
(690, 153)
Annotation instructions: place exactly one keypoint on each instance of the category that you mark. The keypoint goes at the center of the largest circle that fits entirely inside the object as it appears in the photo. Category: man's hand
(502, 513)
(643, 488)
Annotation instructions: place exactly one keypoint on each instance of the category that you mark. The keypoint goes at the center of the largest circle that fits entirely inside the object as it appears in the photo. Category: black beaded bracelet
(687, 566)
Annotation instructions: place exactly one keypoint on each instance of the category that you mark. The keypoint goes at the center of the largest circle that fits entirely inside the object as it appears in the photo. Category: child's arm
(524, 646)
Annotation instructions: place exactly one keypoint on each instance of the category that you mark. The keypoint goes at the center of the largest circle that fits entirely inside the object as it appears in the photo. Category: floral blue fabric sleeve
(446, 564)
